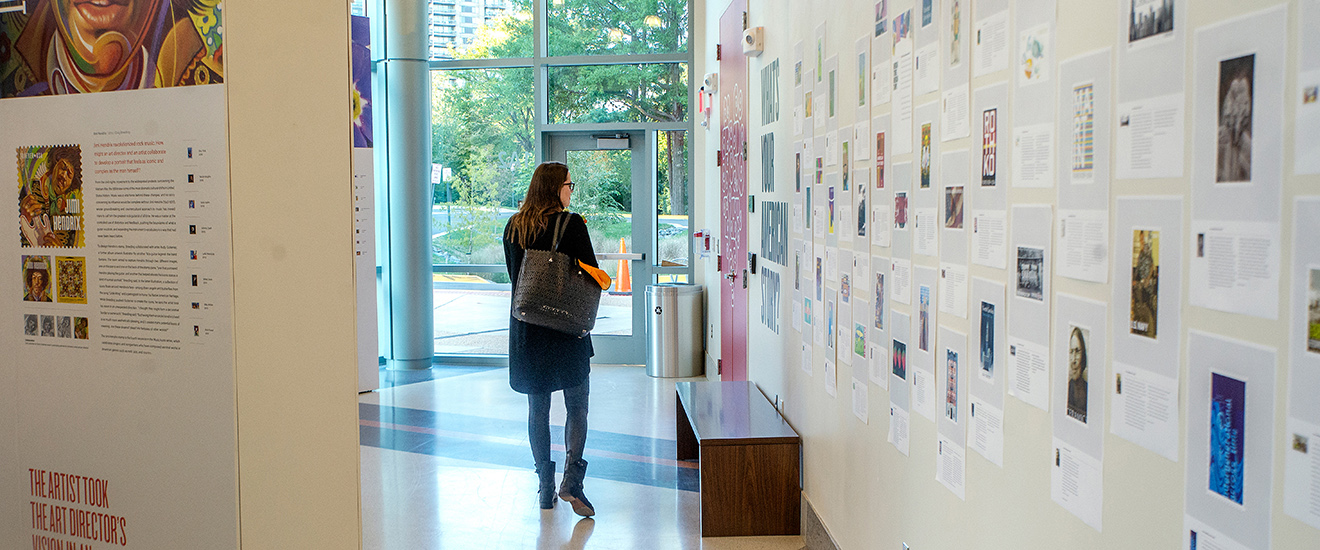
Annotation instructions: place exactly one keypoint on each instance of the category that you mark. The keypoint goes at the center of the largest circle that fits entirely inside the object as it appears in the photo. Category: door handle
(620, 256)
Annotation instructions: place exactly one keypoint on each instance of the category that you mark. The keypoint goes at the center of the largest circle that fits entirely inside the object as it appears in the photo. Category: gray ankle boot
(571, 488)
(547, 490)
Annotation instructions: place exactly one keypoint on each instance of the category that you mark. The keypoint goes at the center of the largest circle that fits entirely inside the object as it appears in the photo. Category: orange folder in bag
(602, 278)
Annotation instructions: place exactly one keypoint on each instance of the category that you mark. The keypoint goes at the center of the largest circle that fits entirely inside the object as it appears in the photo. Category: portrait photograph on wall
(1078, 383)
(1236, 93)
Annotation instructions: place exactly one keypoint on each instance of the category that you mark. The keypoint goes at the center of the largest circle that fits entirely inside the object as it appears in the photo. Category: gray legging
(575, 428)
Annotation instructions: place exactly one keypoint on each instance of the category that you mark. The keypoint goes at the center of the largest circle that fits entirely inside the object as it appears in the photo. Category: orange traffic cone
(623, 283)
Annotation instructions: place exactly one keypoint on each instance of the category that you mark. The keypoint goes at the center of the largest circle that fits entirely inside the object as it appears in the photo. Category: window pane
(471, 315)
(483, 155)
(489, 29)
(616, 27)
(655, 92)
(673, 199)
(602, 193)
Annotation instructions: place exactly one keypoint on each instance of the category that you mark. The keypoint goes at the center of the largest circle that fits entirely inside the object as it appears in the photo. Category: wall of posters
(1088, 187)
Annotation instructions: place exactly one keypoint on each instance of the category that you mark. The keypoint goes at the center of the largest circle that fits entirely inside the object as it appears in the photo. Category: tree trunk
(676, 156)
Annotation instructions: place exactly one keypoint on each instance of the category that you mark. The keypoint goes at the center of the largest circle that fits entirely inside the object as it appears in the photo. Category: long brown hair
(541, 201)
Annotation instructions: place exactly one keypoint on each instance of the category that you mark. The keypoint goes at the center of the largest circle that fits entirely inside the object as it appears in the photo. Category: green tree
(483, 120)
(617, 93)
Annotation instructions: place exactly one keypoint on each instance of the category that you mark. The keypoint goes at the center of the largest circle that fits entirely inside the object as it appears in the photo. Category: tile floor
(445, 465)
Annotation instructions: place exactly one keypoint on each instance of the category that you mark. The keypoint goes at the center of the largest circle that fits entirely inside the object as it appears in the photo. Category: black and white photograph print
(64, 326)
(1149, 18)
(1030, 266)
(1079, 339)
(48, 325)
(1237, 78)
(29, 325)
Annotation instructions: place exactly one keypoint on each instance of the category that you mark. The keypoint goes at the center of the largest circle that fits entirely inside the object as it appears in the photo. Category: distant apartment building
(454, 23)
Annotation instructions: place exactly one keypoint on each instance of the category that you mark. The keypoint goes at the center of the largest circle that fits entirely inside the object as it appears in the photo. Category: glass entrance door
(612, 192)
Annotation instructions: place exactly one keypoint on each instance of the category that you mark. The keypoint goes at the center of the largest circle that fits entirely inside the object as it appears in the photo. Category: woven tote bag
(554, 292)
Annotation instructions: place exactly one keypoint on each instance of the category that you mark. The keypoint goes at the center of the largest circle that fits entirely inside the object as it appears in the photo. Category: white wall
(869, 495)
(295, 341)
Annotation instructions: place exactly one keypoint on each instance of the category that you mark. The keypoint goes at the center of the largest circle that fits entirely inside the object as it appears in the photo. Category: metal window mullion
(488, 63)
(652, 200)
(469, 268)
(587, 127)
(637, 59)
(692, 139)
(540, 97)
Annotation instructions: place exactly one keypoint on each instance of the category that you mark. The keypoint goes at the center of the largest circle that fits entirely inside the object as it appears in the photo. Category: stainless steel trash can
(674, 327)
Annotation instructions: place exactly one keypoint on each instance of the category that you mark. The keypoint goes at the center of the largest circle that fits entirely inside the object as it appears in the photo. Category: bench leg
(686, 438)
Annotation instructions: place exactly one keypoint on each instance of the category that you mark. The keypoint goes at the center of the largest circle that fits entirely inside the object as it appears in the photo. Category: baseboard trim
(814, 533)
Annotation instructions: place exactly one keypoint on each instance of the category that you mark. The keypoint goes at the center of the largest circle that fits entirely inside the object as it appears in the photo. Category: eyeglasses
(570, 185)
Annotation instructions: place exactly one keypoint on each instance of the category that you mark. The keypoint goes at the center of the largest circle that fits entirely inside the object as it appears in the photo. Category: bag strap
(560, 225)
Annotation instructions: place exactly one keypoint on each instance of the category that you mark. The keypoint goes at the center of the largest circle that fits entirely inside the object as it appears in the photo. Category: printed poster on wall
(1150, 96)
(1229, 464)
(1144, 381)
(1301, 488)
(1237, 164)
(120, 281)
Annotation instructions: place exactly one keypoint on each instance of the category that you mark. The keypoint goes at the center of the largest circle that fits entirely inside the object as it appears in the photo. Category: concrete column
(405, 77)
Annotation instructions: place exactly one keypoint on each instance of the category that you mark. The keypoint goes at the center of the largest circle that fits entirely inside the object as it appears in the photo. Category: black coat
(543, 360)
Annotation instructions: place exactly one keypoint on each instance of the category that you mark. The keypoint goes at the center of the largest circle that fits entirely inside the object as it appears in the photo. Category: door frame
(615, 349)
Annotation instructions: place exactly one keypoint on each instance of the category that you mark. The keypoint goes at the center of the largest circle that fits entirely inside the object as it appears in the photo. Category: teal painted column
(404, 75)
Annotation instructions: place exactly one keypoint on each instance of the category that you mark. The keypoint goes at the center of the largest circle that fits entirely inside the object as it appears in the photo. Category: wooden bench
(750, 476)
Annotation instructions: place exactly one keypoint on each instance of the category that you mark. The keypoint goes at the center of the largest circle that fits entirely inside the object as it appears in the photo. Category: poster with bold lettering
(120, 282)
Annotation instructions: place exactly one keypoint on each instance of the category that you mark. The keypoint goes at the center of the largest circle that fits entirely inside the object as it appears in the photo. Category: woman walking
(543, 360)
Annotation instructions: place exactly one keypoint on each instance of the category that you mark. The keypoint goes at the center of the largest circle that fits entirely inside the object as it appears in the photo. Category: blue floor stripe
(518, 456)
(390, 378)
(511, 429)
